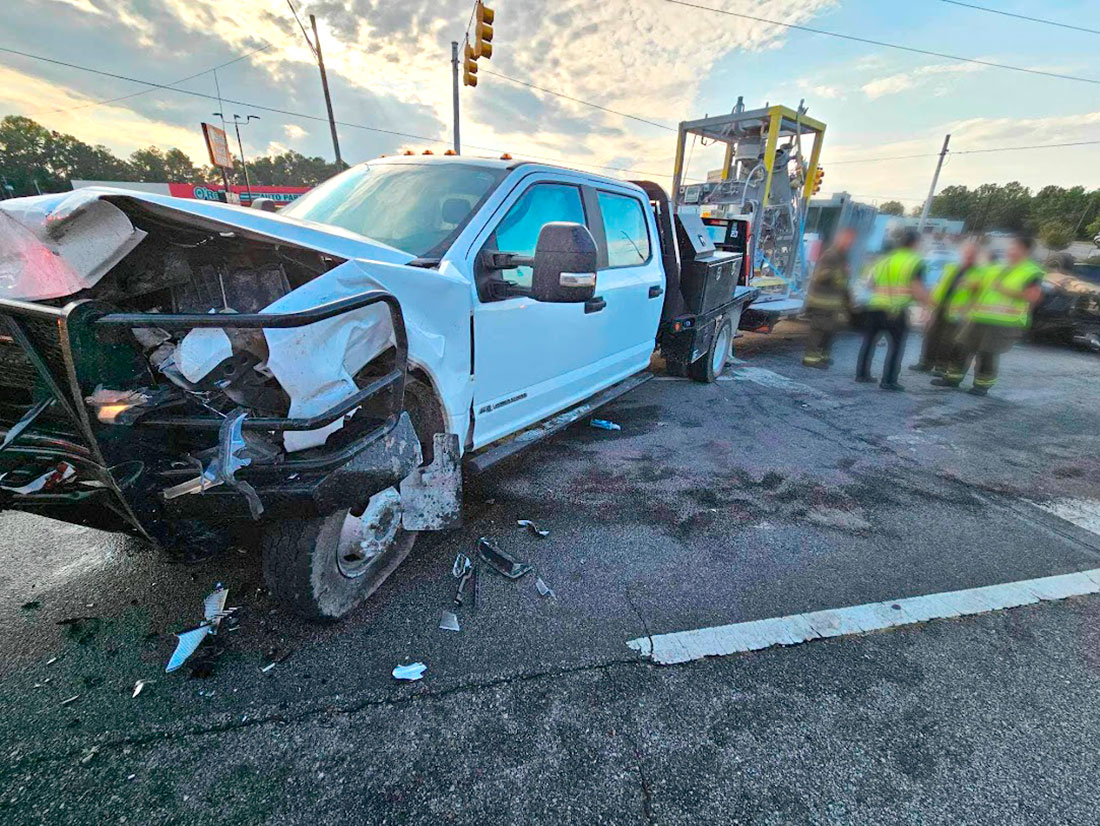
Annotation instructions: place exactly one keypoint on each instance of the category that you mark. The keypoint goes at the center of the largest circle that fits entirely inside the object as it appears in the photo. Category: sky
(389, 68)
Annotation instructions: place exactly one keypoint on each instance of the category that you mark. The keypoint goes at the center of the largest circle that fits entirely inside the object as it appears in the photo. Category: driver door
(531, 358)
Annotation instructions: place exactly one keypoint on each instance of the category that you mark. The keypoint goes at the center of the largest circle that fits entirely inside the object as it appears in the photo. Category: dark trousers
(985, 370)
(940, 347)
(819, 341)
(896, 327)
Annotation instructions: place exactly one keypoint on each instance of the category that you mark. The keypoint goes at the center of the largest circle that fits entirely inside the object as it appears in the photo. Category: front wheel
(710, 366)
(325, 566)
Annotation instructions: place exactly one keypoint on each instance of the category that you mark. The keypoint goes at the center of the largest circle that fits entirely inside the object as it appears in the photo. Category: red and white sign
(281, 195)
(217, 144)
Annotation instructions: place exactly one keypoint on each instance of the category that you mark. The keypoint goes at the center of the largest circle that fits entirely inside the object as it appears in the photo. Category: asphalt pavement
(775, 491)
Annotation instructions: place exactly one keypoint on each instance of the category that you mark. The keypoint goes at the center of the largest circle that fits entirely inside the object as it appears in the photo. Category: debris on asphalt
(70, 700)
(604, 424)
(532, 527)
(463, 570)
(139, 686)
(449, 622)
(214, 611)
(92, 752)
(52, 660)
(500, 561)
(411, 672)
(267, 668)
(544, 589)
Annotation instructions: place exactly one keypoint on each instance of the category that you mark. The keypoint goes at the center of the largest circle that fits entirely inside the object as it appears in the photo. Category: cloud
(903, 81)
(294, 132)
(820, 90)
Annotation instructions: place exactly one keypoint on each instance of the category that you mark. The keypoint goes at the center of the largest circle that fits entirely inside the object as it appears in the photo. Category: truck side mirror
(564, 264)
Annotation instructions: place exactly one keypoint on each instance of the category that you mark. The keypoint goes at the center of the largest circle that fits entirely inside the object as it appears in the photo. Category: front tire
(323, 567)
(710, 366)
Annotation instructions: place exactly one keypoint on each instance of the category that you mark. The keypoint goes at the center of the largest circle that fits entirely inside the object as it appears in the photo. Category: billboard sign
(281, 195)
(217, 144)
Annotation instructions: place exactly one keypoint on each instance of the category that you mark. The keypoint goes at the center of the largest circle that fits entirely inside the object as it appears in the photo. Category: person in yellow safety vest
(896, 281)
(827, 300)
(949, 299)
(996, 317)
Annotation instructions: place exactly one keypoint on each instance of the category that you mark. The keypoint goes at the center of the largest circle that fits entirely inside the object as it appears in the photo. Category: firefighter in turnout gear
(949, 299)
(896, 281)
(828, 302)
(997, 316)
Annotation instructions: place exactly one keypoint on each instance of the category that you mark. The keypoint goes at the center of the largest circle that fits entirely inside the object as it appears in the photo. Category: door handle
(655, 291)
(594, 305)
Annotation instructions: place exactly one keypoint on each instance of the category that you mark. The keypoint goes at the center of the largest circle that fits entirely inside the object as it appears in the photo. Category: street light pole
(240, 145)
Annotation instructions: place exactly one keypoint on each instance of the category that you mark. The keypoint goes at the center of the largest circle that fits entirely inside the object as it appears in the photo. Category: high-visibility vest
(994, 306)
(954, 304)
(890, 281)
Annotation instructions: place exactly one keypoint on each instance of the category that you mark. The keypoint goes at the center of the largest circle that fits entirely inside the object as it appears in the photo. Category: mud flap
(431, 496)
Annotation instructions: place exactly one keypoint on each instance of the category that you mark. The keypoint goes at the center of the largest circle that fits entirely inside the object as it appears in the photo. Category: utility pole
(324, 85)
(935, 180)
(454, 85)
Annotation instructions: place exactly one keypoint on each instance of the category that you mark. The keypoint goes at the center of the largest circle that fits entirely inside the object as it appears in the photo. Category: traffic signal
(483, 31)
(469, 67)
(819, 175)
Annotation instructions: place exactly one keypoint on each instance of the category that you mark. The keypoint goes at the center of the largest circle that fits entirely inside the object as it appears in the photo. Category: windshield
(417, 208)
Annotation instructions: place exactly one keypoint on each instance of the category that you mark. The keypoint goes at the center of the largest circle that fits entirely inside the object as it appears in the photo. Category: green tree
(173, 166)
(954, 202)
(1056, 235)
(891, 208)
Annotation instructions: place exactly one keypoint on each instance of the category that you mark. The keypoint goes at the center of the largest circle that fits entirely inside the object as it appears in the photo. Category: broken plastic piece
(449, 622)
(461, 565)
(544, 589)
(604, 424)
(532, 527)
(411, 672)
(267, 668)
(70, 700)
(214, 611)
(138, 687)
(503, 563)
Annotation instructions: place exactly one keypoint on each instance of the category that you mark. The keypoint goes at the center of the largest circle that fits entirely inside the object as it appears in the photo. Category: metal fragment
(213, 611)
(500, 561)
(532, 527)
(411, 672)
(544, 589)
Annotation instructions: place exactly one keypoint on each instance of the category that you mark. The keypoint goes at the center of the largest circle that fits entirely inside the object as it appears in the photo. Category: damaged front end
(176, 370)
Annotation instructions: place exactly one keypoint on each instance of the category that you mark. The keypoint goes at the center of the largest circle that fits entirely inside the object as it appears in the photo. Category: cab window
(625, 228)
(519, 231)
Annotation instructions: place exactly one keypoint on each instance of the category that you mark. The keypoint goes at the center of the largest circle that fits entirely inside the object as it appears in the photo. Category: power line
(578, 100)
(302, 115)
(968, 152)
(147, 91)
(1023, 17)
(867, 40)
(294, 11)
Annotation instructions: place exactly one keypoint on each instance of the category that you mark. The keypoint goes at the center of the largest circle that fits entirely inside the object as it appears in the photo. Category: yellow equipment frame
(779, 122)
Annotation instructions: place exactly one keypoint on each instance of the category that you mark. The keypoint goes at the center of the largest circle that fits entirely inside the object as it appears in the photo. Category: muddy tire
(302, 566)
(323, 567)
(710, 365)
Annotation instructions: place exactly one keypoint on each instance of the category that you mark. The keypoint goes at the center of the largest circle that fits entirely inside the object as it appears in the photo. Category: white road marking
(1084, 513)
(684, 646)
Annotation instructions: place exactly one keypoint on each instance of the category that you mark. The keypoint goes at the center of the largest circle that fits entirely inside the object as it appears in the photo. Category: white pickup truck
(186, 371)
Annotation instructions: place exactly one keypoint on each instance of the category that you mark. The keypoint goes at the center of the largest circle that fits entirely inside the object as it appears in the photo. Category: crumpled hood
(55, 245)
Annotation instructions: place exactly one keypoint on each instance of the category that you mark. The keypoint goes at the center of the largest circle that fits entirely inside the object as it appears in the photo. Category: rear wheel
(710, 366)
(322, 567)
